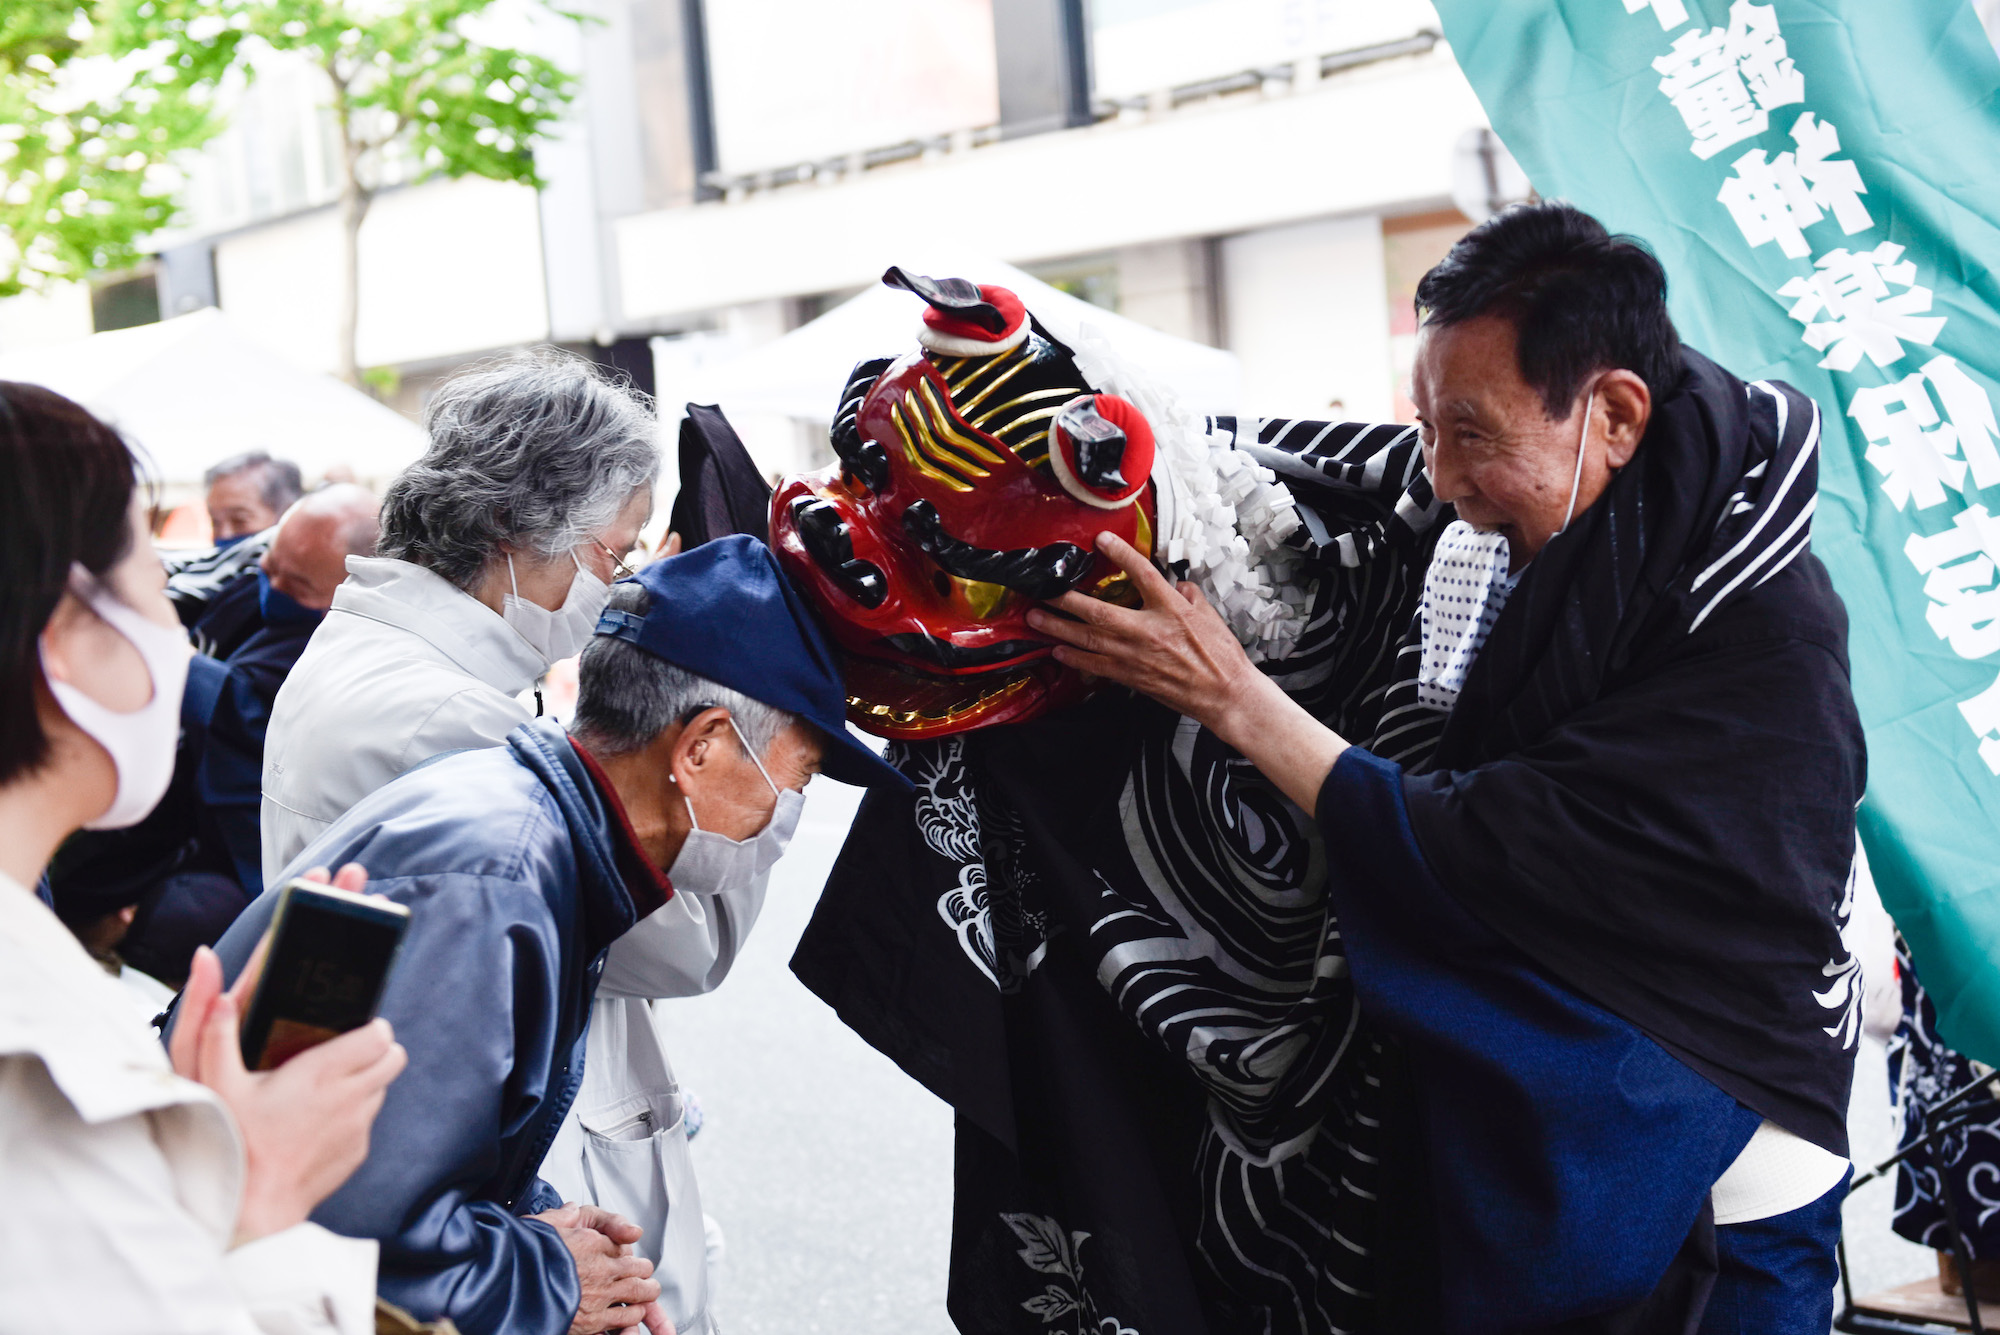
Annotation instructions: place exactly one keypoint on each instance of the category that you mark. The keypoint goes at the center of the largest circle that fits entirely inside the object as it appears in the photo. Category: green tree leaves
(87, 134)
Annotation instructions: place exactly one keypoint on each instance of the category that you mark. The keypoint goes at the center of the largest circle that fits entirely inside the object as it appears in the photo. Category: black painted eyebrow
(1040, 573)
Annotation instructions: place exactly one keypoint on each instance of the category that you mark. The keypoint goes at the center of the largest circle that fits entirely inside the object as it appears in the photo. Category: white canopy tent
(801, 374)
(193, 390)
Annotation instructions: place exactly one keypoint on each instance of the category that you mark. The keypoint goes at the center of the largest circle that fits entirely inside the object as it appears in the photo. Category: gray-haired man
(706, 706)
(246, 493)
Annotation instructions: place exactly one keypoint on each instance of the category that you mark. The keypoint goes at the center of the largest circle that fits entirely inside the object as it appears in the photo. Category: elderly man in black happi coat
(1589, 833)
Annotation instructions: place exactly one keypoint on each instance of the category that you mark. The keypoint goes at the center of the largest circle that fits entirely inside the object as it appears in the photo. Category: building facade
(1269, 176)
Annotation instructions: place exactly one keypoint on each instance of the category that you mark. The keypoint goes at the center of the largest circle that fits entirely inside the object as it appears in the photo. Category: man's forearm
(1288, 746)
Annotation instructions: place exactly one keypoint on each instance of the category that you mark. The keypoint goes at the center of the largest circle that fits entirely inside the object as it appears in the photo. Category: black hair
(278, 480)
(66, 484)
(1580, 298)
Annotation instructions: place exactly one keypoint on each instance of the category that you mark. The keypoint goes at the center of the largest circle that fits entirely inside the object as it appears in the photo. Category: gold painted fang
(1017, 353)
(927, 441)
(908, 716)
(950, 431)
(965, 409)
(917, 460)
(1039, 415)
(1017, 401)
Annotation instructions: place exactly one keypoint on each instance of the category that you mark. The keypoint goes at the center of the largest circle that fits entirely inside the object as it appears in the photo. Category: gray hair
(536, 450)
(626, 696)
(278, 480)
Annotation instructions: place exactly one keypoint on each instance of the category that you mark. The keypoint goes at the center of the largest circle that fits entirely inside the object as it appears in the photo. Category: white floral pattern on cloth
(1052, 1250)
(1923, 1073)
(982, 843)
(1465, 587)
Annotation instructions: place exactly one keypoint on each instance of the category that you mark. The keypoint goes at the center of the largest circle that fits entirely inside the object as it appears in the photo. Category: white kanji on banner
(1982, 713)
(1959, 566)
(1916, 453)
(1726, 81)
(1758, 49)
(1970, 412)
(1836, 182)
(1671, 13)
(1771, 201)
(1847, 306)
(1973, 533)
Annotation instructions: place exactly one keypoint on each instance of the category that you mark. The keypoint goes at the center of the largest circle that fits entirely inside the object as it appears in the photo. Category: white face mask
(141, 744)
(1576, 478)
(557, 635)
(710, 863)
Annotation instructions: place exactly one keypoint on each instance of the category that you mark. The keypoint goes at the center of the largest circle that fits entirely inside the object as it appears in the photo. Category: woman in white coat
(138, 1198)
(497, 551)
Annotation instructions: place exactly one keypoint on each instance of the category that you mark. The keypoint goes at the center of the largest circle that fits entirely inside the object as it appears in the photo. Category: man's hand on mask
(1175, 648)
(1178, 649)
(618, 1292)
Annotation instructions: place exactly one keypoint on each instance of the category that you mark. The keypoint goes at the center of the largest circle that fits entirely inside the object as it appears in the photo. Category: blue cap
(725, 611)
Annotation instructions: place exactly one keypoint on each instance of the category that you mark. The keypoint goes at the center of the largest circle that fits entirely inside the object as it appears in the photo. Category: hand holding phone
(320, 970)
(305, 1126)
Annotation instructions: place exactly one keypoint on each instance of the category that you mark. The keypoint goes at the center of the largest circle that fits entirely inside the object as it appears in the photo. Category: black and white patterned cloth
(1226, 1099)
(1465, 591)
(195, 579)
(1923, 1072)
(1105, 939)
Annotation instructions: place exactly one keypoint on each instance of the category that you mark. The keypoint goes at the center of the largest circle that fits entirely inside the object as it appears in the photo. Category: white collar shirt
(123, 1179)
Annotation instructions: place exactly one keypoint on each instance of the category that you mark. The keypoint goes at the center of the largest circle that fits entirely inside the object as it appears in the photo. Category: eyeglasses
(618, 566)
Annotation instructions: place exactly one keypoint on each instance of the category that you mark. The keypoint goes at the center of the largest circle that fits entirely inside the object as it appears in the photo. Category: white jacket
(407, 666)
(123, 1179)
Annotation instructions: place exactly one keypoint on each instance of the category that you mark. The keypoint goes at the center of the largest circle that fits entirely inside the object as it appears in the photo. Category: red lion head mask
(975, 474)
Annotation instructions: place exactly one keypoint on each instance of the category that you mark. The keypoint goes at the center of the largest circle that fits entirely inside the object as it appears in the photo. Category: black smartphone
(323, 973)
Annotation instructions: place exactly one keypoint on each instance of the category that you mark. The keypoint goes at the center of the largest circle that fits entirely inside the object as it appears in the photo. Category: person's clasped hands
(617, 1289)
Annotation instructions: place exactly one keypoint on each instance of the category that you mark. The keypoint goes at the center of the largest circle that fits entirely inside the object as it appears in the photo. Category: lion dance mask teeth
(975, 473)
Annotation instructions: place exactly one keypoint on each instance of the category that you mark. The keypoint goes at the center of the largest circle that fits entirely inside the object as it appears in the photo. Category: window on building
(1142, 46)
(125, 302)
(802, 80)
(1093, 279)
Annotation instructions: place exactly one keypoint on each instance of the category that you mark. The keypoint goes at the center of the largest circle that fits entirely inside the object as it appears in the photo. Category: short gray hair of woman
(538, 450)
(626, 696)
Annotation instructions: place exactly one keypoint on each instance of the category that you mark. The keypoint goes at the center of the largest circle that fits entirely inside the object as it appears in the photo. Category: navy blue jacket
(508, 860)
(1569, 1155)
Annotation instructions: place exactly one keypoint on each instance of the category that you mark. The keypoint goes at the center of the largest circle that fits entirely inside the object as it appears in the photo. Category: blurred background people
(247, 492)
(250, 489)
(149, 895)
(295, 565)
(169, 1201)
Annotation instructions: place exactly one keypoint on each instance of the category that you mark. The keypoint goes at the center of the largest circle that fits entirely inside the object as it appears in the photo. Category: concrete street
(828, 1168)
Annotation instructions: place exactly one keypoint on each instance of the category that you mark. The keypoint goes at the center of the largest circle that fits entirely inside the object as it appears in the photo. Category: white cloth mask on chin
(710, 863)
(141, 744)
(559, 634)
(1465, 587)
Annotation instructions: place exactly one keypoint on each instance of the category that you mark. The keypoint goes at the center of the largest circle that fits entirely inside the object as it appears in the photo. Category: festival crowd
(1507, 992)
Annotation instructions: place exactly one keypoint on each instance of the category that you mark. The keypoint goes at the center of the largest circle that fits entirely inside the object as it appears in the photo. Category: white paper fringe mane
(1220, 511)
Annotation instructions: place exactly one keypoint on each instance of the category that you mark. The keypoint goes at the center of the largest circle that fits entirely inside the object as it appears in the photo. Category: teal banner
(1821, 179)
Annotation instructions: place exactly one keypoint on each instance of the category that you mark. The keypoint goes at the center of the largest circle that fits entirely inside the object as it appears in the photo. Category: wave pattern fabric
(1146, 1026)
(1108, 942)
